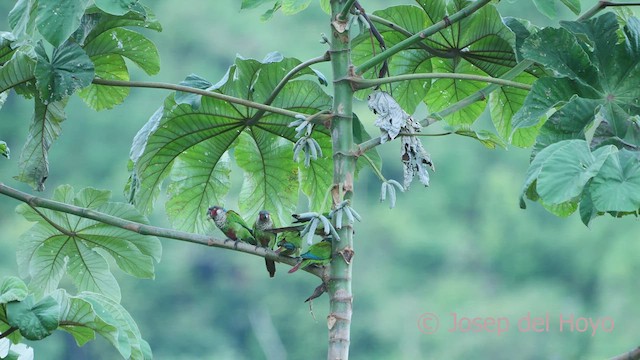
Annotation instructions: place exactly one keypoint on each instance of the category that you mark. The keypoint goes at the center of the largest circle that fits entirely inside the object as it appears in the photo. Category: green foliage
(582, 114)
(205, 129)
(548, 7)
(34, 320)
(60, 244)
(4, 149)
(108, 44)
(480, 44)
(592, 92)
(82, 316)
(88, 313)
(56, 21)
(44, 130)
(92, 44)
(289, 7)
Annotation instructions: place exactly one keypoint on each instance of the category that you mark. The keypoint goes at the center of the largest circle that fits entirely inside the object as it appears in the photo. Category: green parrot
(318, 253)
(231, 224)
(265, 238)
(289, 244)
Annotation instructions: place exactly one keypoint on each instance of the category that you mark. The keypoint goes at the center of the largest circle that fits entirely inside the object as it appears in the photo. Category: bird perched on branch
(231, 224)
(265, 238)
(289, 243)
(318, 253)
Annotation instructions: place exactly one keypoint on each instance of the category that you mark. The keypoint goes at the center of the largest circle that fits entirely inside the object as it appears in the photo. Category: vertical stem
(339, 288)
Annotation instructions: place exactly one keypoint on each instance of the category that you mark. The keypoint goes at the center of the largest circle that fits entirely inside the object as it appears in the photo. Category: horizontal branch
(477, 96)
(285, 80)
(407, 33)
(360, 83)
(188, 89)
(418, 37)
(601, 5)
(144, 229)
(631, 355)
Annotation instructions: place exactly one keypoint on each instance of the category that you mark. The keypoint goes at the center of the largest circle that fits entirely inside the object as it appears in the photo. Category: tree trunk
(339, 289)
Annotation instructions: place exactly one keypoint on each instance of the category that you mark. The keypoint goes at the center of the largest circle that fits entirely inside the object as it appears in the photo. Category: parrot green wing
(242, 231)
(289, 243)
(318, 253)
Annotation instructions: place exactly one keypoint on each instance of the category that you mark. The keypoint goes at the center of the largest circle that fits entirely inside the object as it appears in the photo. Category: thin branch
(215, 95)
(426, 135)
(601, 5)
(293, 72)
(477, 96)
(360, 83)
(631, 355)
(285, 80)
(145, 229)
(10, 331)
(384, 69)
(375, 168)
(344, 14)
(50, 222)
(440, 25)
(408, 34)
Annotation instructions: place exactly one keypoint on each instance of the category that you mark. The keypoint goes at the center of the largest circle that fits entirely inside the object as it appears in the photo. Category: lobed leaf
(12, 289)
(68, 70)
(192, 136)
(16, 71)
(34, 320)
(57, 20)
(78, 247)
(43, 131)
(270, 176)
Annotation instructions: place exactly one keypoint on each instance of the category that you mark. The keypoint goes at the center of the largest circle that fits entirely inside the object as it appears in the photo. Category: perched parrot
(289, 244)
(231, 224)
(265, 238)
(318, 253)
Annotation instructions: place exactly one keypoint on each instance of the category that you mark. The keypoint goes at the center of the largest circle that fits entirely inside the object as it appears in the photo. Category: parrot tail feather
(296, 267)
(271, 267)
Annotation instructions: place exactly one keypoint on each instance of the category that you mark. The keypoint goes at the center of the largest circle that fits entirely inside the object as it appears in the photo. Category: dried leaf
(391, 118)
(415, 158)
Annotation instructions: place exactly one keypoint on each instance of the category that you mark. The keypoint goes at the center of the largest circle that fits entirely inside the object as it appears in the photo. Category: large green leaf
(503, 104)
(57, 20)
(617, 185)
(87, 313)
(34, 320)
(445, 92)
(12, 289)
(270, 176)
(290, 7)
(567, 169)
(316, 180)
(66, 244)
(202, 130)
(108, 67)
(116, 7)
(107, 44)
(44, 130)
(18, 70)
(195, 186)
(22, 18)
(593, 97)
(480, 44)
(411, 19)
(68, 70)
(129, 341)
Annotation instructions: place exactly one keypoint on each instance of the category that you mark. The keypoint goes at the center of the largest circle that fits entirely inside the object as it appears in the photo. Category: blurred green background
(460, 246)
